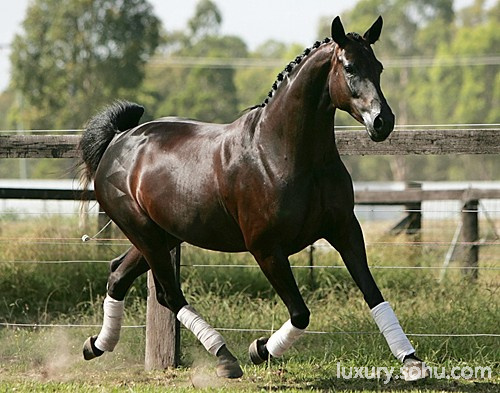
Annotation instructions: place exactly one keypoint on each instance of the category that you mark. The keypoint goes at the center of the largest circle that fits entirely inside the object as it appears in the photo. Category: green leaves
(74, 56)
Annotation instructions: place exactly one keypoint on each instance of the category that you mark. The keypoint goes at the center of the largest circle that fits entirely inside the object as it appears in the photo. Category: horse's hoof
(227, 364)
(229, 369)
(414, 369)
(90, 351)
(257, 350)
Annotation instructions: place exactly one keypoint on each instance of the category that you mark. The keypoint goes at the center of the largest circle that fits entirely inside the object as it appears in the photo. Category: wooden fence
(400, 142)
(162, 332)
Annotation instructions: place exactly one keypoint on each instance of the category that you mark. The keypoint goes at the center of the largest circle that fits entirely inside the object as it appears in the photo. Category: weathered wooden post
(470, 237)
(414, 210)
(412, 222)
(162, 328)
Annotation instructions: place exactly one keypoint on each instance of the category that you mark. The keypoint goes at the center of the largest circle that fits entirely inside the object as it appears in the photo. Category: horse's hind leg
(277, 270)
(124, 270)
(170, 295)
(155, 244)
(351, 246)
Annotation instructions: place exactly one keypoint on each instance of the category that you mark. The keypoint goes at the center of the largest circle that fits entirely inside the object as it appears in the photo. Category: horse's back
(168, 167)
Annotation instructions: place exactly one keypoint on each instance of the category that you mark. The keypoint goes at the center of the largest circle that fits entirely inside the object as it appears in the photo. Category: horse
(269, 183)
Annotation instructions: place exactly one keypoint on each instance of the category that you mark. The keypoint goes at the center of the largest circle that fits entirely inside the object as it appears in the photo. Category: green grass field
(49, 358)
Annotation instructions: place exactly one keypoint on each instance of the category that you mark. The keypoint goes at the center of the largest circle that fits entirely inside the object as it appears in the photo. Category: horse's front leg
(277, 269)
(351, 246)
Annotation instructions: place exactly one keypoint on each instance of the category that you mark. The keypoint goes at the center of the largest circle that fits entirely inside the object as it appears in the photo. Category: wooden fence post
(414, 212)
(162, 328)
(470, 236)
(412, 222)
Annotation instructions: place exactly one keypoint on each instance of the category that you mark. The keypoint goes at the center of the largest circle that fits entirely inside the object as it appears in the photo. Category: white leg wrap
(283, 339)
(206, 334)
(389, 325)
(111, 325)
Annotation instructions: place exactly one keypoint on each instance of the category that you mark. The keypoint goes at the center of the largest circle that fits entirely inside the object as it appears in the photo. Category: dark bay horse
(271, 183)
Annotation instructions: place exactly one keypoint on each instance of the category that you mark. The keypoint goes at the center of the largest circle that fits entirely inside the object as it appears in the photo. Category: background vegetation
(442, 67)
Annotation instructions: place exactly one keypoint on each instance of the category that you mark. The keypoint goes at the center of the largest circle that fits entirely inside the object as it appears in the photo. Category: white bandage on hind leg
(206, 334)
(111, 325)
(282, 339)
(389, 325)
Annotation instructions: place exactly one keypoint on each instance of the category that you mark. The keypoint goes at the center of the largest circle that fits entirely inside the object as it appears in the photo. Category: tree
(206, 21)
(76, 55)
(468, 94)
(198, 91)
(253, 83)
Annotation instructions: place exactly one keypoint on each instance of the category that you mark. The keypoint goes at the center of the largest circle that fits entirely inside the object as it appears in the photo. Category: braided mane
(288, 69)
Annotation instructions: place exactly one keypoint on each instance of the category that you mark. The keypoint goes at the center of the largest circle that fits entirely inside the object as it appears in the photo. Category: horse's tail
(100, 130)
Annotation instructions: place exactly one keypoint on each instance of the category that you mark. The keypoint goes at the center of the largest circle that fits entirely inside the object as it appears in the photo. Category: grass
(49, 359)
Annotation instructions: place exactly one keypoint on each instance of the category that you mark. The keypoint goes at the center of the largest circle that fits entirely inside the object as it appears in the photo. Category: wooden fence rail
(400, 142)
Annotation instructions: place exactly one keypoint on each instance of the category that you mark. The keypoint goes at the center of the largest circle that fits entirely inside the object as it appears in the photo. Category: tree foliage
(201, 92)
(74, 56)
(468, 94)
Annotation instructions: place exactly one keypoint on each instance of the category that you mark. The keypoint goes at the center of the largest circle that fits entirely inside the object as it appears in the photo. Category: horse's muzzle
(381, 127)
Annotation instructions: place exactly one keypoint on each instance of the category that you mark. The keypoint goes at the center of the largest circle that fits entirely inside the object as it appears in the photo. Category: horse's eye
(349, 68)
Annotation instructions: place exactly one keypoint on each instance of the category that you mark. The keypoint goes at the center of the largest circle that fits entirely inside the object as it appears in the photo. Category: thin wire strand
(54, 262)
(339, 127)
(425, 126)
(245, 330)
(54, 325)
(343, 267)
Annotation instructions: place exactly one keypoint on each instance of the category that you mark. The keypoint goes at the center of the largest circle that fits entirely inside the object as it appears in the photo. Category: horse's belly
(204, 225)
(221, 244)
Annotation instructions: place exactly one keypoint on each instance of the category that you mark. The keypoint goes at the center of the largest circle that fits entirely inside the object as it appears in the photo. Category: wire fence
(397, 127)
(489, 265)
(425, 232)
(248, 330)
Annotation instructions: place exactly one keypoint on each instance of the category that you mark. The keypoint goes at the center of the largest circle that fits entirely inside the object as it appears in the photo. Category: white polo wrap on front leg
(111, 325)
(206, 334)
(389, 325)
(282, 339)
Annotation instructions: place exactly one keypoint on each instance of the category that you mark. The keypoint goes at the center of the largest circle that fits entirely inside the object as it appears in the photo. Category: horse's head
(355, 80)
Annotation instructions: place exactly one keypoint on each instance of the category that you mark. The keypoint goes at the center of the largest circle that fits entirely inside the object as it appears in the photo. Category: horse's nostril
(378, 123)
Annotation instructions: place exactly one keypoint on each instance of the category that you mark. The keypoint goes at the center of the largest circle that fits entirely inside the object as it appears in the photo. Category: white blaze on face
(366, 100)
(371, 103)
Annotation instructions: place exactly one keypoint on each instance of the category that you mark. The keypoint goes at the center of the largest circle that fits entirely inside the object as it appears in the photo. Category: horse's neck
(297, 123)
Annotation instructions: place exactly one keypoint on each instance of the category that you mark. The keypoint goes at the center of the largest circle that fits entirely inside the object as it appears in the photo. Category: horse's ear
(338, 33)
(373, 33)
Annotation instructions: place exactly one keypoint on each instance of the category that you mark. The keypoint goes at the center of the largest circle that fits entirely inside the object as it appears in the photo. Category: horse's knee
(115, 263)
(301, 319)
(117, 288)
(162, 299)
(173, 303)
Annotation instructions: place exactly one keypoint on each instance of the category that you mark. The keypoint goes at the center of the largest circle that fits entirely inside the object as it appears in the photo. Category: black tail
(100, 130)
